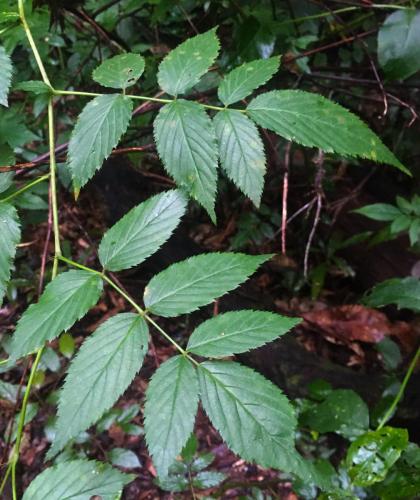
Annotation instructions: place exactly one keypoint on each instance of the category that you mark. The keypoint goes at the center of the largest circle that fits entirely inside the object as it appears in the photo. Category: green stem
(170, 339)
(390, 6)
(38, 180)
(400, 393)
(78, 266)
(342, 11)
(136, 97)
(140, 311)
(21, 423)
(53, 186)
(32, 44)
(75, 92)
(125, 295)
(57, 249)
(152, 99)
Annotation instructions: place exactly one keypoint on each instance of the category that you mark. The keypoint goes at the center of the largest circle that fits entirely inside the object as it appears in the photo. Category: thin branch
(284, 196)
(319, 195)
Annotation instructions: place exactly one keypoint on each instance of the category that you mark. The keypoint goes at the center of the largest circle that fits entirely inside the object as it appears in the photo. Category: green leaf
(67, 298)
(185, 286)
(414, 231)
(379, 211)
(238, 331)
(13, 130)
(107, 363)
(77, 480)
(251, 414)
(242, 81)
(241, 152)
(403, 292)
(398, 44)
(98, 130)
(120, 71)
(9, 391)
(343, 411)
(186, 143)
(403, 480)
(182, 68)
(314, 121)
(37, 87)
(5, 76)
(371, 456)
(190, 449)
(401, 223)
(7, 157)
(9, 238)
(141, 231)
(169, 413)
(390, 352)
(66, 345)
(208, 479)
(121, 457)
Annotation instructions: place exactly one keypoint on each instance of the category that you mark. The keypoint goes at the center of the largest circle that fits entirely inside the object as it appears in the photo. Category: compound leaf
(141, 231)
(5, 76)
(187, 145)
(314, 121)
(241, 81)
(77, 480)
(65, 300)
(238, 331)
(185, 286)
(186, 64)
(120, 71)
(107, 363)
(251, 414)
(241, 152)
(9, 238)
(171, 406)
(398, 44)
(98, 130)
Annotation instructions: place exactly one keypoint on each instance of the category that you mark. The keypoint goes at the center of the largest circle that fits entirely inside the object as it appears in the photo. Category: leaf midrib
(173, 292)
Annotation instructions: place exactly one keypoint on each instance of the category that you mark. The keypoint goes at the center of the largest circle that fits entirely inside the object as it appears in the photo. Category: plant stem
(32, 44)
(400, 393)
(78, 266)
(153, 99)
(169, 338)
(21, 423)
(75, 92)
(141, 312)
(38, 180)
(137, 97)
(342, 11)
(123, 294)
(53, 184)
(57, 248)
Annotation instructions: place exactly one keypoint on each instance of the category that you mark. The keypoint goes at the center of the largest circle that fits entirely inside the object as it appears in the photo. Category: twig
(319, 194)
(284, 197)
(414, 115)
(332, 45)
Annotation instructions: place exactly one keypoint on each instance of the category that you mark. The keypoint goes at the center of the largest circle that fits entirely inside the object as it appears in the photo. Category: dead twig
(319, 196)
(284, 197)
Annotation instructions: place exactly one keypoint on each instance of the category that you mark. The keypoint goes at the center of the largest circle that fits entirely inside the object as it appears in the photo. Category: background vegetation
(344, 232)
